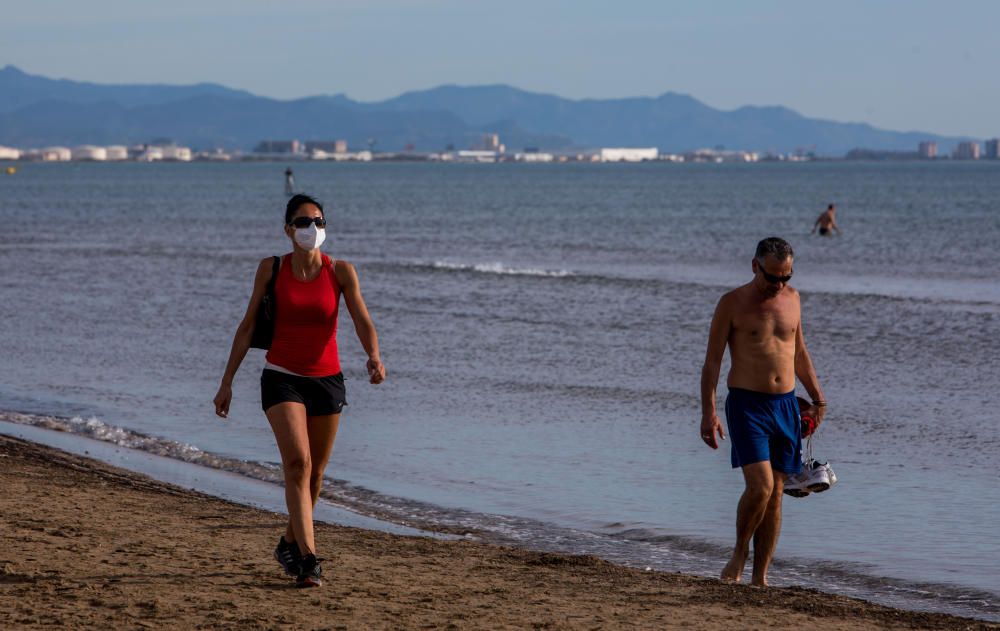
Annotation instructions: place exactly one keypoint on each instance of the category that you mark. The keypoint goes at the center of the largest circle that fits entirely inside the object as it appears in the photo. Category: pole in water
(289, 182)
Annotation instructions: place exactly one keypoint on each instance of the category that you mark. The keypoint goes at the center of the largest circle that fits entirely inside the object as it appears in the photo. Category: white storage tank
(89, 153)
(150, 154)
(628, 154)
(177, 154)
(9, 153)
(117, 152)
(56, 154)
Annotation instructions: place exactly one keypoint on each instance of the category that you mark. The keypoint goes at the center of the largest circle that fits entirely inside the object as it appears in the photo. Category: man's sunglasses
(303, 222)
(771, 278)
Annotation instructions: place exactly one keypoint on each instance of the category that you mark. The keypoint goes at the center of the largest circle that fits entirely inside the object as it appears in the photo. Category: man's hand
(710, 425)
(818, 412)
(376, 370)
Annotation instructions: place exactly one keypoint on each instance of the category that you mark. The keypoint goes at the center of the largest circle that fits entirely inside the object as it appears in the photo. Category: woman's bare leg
(322, 434)
(322, 431)
(290, 426)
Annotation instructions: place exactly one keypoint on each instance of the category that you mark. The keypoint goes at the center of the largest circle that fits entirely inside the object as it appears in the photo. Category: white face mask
(310, 238)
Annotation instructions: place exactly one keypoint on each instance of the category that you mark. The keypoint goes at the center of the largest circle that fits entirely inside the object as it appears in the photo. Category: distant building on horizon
(474, 155)
(491, 142)
(328, 146)
(341, 156)
(967, 150)
(927, 150)
(714, 155)
(533, 156)
(628, 154)
(993, 149)
(278, 146)
(163, 153)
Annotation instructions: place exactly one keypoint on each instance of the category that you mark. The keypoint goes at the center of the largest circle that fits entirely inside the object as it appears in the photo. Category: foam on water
(976, 294)
(499, 268)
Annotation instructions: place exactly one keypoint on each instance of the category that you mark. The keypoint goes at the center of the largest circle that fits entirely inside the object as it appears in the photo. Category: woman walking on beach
(302, 387)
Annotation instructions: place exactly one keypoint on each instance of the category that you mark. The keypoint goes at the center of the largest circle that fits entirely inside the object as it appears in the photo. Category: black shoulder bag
(263, 330)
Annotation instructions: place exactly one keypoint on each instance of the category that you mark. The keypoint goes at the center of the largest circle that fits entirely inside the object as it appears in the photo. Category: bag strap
(275, 266)
(333, 271)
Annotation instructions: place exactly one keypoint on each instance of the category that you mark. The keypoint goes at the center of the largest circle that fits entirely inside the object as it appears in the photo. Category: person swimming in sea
(826, 223)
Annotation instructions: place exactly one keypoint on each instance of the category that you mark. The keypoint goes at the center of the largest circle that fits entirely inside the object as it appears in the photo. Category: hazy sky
(903, 65)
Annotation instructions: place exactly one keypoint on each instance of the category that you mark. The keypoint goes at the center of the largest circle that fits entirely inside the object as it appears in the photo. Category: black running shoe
(288, 555)
(310, 573)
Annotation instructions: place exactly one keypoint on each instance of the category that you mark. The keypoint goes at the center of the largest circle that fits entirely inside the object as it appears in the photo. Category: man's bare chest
(759, 323)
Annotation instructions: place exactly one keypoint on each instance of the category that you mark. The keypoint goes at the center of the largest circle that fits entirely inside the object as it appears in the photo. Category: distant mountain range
(37, 111)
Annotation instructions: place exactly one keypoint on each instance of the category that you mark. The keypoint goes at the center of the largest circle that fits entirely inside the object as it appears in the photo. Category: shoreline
(227, 485)
(157, 555)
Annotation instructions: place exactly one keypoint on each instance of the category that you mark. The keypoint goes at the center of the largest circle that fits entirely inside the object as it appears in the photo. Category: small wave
(500, 268)
(99, 430)
(968, 301)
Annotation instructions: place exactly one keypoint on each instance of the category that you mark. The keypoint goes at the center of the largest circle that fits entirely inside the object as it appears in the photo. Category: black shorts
(321, 395)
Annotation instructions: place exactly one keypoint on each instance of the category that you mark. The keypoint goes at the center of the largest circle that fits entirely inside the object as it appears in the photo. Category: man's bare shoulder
(725, 301)
(734, 297)
(730, 304)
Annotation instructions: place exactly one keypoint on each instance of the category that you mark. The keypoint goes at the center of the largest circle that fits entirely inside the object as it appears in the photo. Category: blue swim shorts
(763, 427)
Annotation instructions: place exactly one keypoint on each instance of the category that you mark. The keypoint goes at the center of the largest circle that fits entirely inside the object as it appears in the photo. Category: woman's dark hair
(297, 202)
(776, 247)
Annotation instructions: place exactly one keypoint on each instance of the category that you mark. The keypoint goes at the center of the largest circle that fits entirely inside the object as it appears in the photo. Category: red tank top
(305, 329)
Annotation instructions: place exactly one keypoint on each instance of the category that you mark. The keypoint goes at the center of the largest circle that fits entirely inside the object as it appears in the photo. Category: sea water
(544, 328)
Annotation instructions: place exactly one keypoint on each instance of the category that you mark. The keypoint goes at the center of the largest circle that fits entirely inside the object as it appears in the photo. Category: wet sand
(88, 545)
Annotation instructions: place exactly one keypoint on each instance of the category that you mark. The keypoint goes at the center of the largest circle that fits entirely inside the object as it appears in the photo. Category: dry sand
(87, 545)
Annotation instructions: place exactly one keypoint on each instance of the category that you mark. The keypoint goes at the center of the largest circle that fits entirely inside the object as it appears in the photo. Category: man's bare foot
(733, 572)
(758, 582)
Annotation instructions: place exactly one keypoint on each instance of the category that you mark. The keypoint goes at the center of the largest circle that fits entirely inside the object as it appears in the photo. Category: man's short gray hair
(776, 247)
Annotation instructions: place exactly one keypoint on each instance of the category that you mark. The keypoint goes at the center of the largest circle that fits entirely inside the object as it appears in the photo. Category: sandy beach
(88, 545)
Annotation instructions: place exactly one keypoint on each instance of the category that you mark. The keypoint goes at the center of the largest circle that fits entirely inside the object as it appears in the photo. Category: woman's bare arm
(347, 277)
(244, 333)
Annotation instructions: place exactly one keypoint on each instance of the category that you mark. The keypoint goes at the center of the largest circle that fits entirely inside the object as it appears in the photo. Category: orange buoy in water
(11, 170)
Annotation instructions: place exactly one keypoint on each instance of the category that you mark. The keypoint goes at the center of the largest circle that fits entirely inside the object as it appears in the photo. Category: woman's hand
(350, 288)
(376, 370)
(222, 400)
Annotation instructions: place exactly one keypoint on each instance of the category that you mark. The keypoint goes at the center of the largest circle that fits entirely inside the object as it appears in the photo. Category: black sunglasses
(303, 222)
(771, 278)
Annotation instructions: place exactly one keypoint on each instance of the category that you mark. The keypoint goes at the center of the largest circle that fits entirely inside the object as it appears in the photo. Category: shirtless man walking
(761, 322)
(826, 222)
